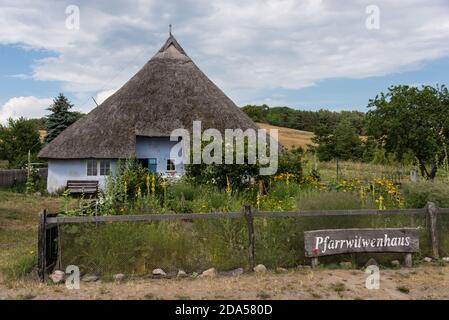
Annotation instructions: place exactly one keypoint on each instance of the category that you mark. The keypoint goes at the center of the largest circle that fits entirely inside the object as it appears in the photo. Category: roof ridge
(172, 41)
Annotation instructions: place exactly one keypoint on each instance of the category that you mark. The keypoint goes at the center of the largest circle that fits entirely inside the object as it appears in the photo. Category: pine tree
(60, 118)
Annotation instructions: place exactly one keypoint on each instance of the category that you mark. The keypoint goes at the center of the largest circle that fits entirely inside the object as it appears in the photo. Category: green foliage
(60, 118)
(221, 175)
(239, 176)
(16, 139)
(412, 120)
(417, 194)
(132, 188)
(342, 142)
(304, 120)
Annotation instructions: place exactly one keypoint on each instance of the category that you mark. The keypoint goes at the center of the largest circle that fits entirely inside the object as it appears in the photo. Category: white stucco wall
(159, 148)
(59, 171)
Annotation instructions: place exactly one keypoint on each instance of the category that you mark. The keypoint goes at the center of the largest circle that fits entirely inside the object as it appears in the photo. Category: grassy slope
(291, 137)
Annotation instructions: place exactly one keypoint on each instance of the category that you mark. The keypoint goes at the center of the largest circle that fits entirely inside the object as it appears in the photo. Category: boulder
(281, 270)
(182, 274)
(236, 272)
(260, 268)
(119, 277)
(395, 263)
(427, 259)
(158, 272)
(445, 259)
(371, 262)
(212, 272)
(90, 278)
(57, 276)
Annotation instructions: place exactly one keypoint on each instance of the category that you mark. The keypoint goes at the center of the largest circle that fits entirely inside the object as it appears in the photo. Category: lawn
(18, 225)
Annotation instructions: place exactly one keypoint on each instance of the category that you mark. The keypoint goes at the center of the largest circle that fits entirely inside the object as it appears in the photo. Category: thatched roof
(169, 92)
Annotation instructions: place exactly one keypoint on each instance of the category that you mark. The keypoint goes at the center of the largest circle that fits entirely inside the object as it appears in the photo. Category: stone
(260, 268)
(159, 272)
(212, 272)
(371, 262)
(346, 265)
(90, 278)
(38, 194)
(182, 274)
(236, 272)
(427, 259)
(57, 276)
(395, 263)
(119, 277)
(445, 259)
(281, 270)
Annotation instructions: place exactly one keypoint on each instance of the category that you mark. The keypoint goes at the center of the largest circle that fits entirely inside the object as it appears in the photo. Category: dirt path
(424, 282)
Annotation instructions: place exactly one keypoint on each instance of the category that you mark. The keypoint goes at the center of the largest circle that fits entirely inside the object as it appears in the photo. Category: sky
(305, 54)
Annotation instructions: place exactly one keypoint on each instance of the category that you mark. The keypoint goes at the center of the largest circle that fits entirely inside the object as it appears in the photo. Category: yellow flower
(228, 186)
(153, 184)
(147, 183)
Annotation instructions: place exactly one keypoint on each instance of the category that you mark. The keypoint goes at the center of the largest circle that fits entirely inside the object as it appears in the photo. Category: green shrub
(417, 194)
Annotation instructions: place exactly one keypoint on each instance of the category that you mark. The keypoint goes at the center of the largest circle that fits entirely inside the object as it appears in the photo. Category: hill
(290, 137)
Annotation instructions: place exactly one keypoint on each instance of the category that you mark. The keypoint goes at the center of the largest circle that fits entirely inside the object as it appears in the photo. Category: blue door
(152, 164)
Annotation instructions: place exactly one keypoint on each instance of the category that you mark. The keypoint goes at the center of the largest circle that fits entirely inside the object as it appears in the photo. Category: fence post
(250, 223)
(41, 245)
(432, 213)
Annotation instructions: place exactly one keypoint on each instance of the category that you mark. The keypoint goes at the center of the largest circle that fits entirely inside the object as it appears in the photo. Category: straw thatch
(169, 92)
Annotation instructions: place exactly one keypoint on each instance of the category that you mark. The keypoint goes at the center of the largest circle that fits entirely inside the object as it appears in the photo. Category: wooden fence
(48, 226)
(13, 177)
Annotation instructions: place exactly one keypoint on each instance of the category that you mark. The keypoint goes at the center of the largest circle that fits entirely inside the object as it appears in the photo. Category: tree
(16, 139)
(60, 118)
(343, 142)
(412, 120)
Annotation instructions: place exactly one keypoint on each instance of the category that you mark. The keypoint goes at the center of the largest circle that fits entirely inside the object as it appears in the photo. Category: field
(291, 137)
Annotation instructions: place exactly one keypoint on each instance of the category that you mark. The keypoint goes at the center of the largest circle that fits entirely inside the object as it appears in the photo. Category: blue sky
(306, 54)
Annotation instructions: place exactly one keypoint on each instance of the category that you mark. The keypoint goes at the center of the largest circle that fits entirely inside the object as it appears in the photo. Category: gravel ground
(424, 282)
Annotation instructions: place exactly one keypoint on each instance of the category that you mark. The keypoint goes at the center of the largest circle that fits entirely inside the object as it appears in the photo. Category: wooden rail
(48, 225)
(229, 215)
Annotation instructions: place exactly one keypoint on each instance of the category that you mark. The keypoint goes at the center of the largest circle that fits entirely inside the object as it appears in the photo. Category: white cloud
(246, 47)
(28, 107)
(103, 95)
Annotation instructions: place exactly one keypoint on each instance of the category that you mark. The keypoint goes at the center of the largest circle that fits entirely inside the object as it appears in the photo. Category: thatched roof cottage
(168, 93)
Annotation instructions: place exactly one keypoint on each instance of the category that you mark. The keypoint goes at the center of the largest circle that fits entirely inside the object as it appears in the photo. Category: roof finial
(169, 29)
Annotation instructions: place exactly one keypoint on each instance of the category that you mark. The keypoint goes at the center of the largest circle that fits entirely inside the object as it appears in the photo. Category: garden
(194, 245)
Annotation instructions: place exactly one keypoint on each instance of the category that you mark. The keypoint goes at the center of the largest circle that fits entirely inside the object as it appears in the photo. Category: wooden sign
(320, 243)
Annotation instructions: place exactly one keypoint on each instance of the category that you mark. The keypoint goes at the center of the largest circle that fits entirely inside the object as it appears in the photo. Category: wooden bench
(82, 186)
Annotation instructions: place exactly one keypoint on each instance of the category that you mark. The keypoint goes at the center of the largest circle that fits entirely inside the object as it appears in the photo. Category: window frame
(173, 162)
(92, 171)
(105, 165)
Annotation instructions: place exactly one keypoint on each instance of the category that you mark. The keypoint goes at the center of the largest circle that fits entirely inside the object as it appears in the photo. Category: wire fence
(137, 244)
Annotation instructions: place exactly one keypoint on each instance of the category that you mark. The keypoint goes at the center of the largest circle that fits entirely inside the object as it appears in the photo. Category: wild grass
(18, 230)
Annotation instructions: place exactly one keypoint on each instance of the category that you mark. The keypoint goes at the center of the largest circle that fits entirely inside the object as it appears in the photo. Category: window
(170, 165)
(91, 167)
(152, 164)
(105, 167)
(143, 162)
